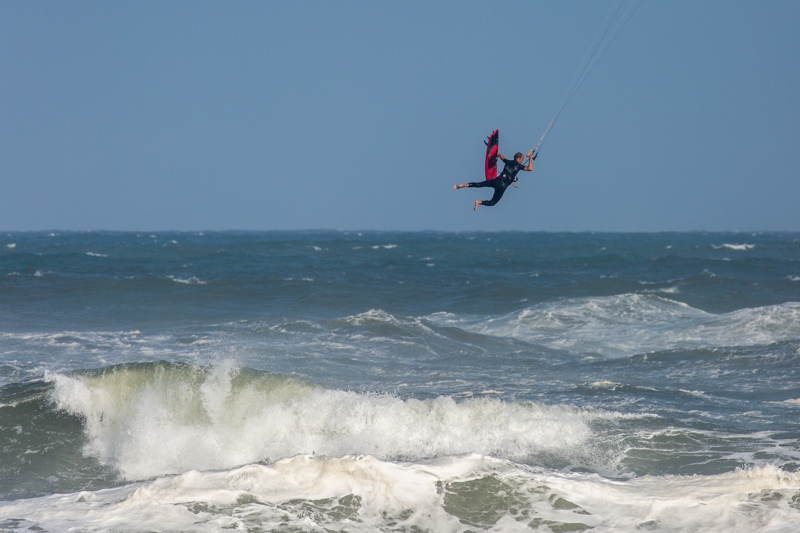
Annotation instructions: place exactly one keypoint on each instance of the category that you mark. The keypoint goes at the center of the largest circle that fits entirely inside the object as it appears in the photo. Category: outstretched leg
(498, 187)
(477, 184)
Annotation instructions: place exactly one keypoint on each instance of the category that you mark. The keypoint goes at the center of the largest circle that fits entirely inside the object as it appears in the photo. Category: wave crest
(151, 419)
(630, 324)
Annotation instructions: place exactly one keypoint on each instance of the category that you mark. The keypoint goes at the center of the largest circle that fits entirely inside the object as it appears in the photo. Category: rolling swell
(42, 446)
(151, 419)
(629, 324)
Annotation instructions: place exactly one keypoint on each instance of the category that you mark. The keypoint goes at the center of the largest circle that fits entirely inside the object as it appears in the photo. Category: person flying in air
(507, 177)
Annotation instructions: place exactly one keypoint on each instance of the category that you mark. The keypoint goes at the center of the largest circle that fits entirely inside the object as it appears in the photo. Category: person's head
(519, 157)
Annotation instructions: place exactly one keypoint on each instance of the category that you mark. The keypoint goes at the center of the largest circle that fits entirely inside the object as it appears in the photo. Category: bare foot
(477, 203)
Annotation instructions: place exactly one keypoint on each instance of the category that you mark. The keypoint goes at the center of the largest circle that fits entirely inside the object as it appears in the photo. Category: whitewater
(405, 382)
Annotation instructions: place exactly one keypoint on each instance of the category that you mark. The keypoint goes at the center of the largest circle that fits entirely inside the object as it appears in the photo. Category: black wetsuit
(501, 182)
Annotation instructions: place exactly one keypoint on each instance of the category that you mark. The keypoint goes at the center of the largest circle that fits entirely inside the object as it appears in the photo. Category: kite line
(612, 26)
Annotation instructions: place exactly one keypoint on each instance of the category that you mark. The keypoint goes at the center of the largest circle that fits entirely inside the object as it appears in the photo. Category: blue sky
(361, 115)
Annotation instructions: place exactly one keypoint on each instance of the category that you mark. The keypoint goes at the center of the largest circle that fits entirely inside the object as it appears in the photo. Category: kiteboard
(492, 147)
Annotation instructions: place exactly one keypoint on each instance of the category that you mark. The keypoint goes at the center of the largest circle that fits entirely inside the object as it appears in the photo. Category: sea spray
(150, 419)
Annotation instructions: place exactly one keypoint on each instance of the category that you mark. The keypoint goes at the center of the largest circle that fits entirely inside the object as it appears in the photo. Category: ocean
(335, 381)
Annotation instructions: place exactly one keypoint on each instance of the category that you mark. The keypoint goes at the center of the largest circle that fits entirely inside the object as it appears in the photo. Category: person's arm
(529, 166)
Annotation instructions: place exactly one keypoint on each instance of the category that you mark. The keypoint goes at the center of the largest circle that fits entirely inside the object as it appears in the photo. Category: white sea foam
(737, 247)
(606, 384)
(81, 349)
(156, 419)
(451, 494)
(93, 254)
(193, 280)
(374, 316)
(630, 324)
(11, 245)
(104, 340)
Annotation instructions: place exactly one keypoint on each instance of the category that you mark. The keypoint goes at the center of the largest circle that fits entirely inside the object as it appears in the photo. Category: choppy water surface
(339, 381)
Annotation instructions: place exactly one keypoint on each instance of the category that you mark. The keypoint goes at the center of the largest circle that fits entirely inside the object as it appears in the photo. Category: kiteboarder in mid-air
(507, 177)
